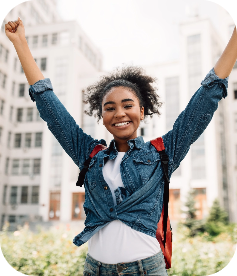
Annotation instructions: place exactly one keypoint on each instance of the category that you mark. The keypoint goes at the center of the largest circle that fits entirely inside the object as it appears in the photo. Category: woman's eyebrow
(124, 100)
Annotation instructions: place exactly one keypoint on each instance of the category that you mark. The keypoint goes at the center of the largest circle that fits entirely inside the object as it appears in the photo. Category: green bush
(52, 253)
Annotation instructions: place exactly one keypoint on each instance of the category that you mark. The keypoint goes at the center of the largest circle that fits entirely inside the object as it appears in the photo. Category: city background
(37, 178)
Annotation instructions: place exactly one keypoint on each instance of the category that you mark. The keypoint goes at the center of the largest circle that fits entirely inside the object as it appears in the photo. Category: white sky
(138, 32)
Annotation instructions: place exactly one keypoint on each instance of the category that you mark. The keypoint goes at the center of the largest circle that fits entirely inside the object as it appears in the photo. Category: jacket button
(148, 160)
(111, 209)
(100, 165)
(105, 187)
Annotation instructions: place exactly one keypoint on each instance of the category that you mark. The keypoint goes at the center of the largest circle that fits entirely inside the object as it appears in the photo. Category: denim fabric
(154, 265)
(140, 201)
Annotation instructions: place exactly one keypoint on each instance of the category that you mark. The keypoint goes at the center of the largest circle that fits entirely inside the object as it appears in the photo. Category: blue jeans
(154, 265)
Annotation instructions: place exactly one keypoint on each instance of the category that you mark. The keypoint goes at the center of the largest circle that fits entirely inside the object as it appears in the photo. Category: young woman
(124, 184)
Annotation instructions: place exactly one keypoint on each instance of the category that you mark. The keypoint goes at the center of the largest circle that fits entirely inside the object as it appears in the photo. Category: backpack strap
(159, 145)
(83, 172)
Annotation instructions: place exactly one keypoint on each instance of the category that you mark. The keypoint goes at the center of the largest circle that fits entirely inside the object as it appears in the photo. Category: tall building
(210, 165)
(37, 178)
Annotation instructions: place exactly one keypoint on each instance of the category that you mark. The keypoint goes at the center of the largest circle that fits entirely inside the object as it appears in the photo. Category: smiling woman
(124, 185)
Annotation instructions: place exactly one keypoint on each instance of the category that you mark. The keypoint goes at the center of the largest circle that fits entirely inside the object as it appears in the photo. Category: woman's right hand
(15, 30)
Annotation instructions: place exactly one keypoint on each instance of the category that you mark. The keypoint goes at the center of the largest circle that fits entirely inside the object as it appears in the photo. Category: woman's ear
(142, 113)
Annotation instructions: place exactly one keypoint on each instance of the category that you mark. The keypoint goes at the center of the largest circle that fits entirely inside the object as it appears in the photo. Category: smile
(122, 124)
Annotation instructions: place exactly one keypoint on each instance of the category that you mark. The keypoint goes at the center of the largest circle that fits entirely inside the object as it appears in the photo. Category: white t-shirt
(117, 242)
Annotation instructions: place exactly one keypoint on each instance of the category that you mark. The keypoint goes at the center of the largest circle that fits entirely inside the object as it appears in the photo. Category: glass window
(15, 64)
(35, 41)
(28, 140)
(44, 40)
(21, 70)
(4, 81)
(13, 88)
(24, 194)
(26, 167)
(17, 143)
(235, 121)
(21, 90)
(56, 147)
(29, 114)
(43, 64)
(6, 165)
(12, 219)
(19, 114)
(15, 166)
(54, 38)
(2, 107)
(0, 134)
(36, 166)
(9, 139)
(4, 195)
(11, 113)
(35, 195)
(38, 139)
(198, 158)
(13, 195)
(235, 90)
(6, 55)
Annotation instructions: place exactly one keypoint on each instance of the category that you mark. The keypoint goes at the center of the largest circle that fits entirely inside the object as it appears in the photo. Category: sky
(134, 32)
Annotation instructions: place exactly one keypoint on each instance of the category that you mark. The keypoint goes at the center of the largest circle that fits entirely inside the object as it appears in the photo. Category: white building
(37, 178)
(210, 165)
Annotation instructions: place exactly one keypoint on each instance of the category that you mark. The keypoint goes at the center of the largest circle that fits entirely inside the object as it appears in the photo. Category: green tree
(217, 219)
(191, 221)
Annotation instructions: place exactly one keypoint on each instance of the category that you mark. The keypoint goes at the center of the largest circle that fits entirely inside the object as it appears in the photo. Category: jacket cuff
(212, 78)
(39, 87)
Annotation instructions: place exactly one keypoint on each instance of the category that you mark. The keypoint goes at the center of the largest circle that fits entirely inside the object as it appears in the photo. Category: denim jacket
(140, 201)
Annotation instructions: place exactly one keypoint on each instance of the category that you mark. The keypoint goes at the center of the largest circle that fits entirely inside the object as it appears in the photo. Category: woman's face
(122, 113)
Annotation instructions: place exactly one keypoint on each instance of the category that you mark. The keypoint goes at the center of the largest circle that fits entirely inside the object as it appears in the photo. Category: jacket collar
(112, 151)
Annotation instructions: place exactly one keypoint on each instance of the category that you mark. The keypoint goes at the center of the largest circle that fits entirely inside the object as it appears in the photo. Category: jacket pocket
(146, 163)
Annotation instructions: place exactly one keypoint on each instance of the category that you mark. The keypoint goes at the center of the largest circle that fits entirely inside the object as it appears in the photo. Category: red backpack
(164, 230)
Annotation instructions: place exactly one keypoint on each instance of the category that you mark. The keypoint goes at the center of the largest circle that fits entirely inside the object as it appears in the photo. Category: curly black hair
(132, 77)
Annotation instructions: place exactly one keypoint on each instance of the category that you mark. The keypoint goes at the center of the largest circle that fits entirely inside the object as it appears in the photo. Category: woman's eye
(128, 106)
(109, 108)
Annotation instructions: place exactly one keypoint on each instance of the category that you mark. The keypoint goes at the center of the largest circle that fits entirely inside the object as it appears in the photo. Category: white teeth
(122, 124)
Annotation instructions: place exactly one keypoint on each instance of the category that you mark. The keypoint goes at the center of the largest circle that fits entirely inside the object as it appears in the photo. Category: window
(54, 38)
(26, 167)
(24, 194)
(19, 114)
(13, 88)
(13, 195)
(28, 140)
(38, 139)
(142, 131)
(9, 139)
(17, 143)
(15, 166)
(21, 70)
(4, 81)
(12, 219)
(15, 64)
(235, 90)
(44, 40)
(38, 118)
(43, 64)
(235, 121)
(29, 114)
(56, 147)
(35, 41)
(0, 133)
(3, 220)
(36, 166)
(6, 55)
(198, 163)
(4, 195)
(2, 107)
(6, 166)
(35, 195)
(11, 112)
(21, 89)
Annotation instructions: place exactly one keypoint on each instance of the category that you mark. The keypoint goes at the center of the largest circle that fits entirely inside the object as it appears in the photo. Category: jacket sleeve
(191, 122)
(77, 144)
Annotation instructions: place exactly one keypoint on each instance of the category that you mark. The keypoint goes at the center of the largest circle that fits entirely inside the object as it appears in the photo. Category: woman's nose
(120, 113)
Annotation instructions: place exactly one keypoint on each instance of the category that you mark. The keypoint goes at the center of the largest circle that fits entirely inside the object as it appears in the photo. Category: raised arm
(77, 144)
(228, 58)
(15, 31)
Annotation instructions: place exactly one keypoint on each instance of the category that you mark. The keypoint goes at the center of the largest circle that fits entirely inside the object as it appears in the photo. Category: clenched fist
(15, 30)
